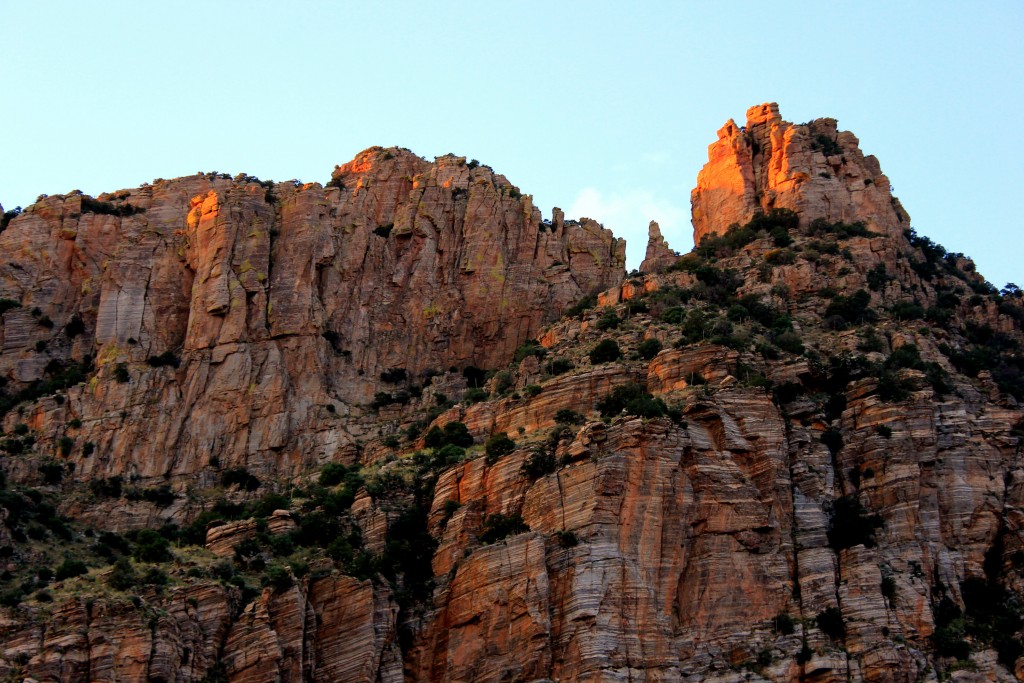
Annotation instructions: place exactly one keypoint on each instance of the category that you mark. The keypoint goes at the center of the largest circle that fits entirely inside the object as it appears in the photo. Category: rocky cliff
(250, 323)
(813, 169)
(261, 432)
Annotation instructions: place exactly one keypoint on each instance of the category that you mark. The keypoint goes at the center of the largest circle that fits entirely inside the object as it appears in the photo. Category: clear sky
(604, 109)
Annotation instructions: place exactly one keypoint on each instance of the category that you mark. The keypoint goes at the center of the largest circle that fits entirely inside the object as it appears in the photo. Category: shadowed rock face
(708, 543)
(284, 303)
(814, 169)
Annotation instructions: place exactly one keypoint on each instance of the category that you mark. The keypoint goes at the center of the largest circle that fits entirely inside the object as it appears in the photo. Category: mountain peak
(813, 169)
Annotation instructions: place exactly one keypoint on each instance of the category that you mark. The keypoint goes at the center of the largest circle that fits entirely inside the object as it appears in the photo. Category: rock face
(813, 169)
(329, 630)
(280, 304)
(658, 256)
(801, 462)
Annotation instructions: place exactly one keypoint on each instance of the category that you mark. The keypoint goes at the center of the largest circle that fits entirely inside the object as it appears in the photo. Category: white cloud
(627, 215)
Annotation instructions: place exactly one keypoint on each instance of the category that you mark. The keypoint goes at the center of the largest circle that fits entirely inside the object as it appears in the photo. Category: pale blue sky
(601, 108)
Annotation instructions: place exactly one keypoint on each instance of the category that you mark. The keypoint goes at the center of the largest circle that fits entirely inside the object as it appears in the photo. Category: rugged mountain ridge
(280, 305)
(792, 454)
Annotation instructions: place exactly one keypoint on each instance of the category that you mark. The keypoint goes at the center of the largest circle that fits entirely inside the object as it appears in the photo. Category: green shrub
(789, 341)
(833, 439)
(332, 474)
(384, 230)
(150, 546)
(851, 309)
(634, 306)
(950, 629)
(994, 614)
(830, 621)
(891, 388)
(165, 359)
(648, 348)
(776, 223)
(531, 390)
(539, 463)
(499, 526)
(608, 321)
(567, 539)
(559, 366)
(530, 348)
(497, 446)
(161, 496)
(502, 382)
(584, 304)
(826, 145)
(53, 472)
(446, 455)
(605, 352)
(878, 277)
(122, 577)
(569, 417)
(383, 398)
(454, 433)
(70, 568)
(884, 431)
(674, 315)
(783, 624)
(154, 576)
(907, 310)
(9, 216)
(121, 373)
(850, 524)
(114, 541)
(450, 508)
(240, 477)
(780, 257)
(474, 395)
(64, 445)
(632, 399)
(277, 577)
(74, 327)
(870, 342)
(434, 438)
(106, 488)
(888, 588)
(91, 205)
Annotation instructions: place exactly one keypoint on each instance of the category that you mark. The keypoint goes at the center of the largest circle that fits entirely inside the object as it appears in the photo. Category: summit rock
(813, 169)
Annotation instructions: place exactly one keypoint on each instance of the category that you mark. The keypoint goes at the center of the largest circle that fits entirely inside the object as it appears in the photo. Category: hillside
(398, 427)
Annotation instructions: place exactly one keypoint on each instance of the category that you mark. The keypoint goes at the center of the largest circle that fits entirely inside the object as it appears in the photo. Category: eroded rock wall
(283, 302)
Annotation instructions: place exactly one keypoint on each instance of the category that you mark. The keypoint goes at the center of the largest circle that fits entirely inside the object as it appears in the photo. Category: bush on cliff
(850, 524)
(605, 352)
(499, 526)
(633, 400)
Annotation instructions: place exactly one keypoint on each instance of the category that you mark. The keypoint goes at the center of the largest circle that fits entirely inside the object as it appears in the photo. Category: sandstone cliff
(794, 454)
(249, 323)
(813, 169)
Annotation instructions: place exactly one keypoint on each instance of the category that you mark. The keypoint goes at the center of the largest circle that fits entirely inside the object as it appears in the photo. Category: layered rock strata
(814, 473)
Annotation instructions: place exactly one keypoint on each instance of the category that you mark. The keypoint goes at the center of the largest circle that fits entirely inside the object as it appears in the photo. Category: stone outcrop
(658, 256)
(812, 168)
